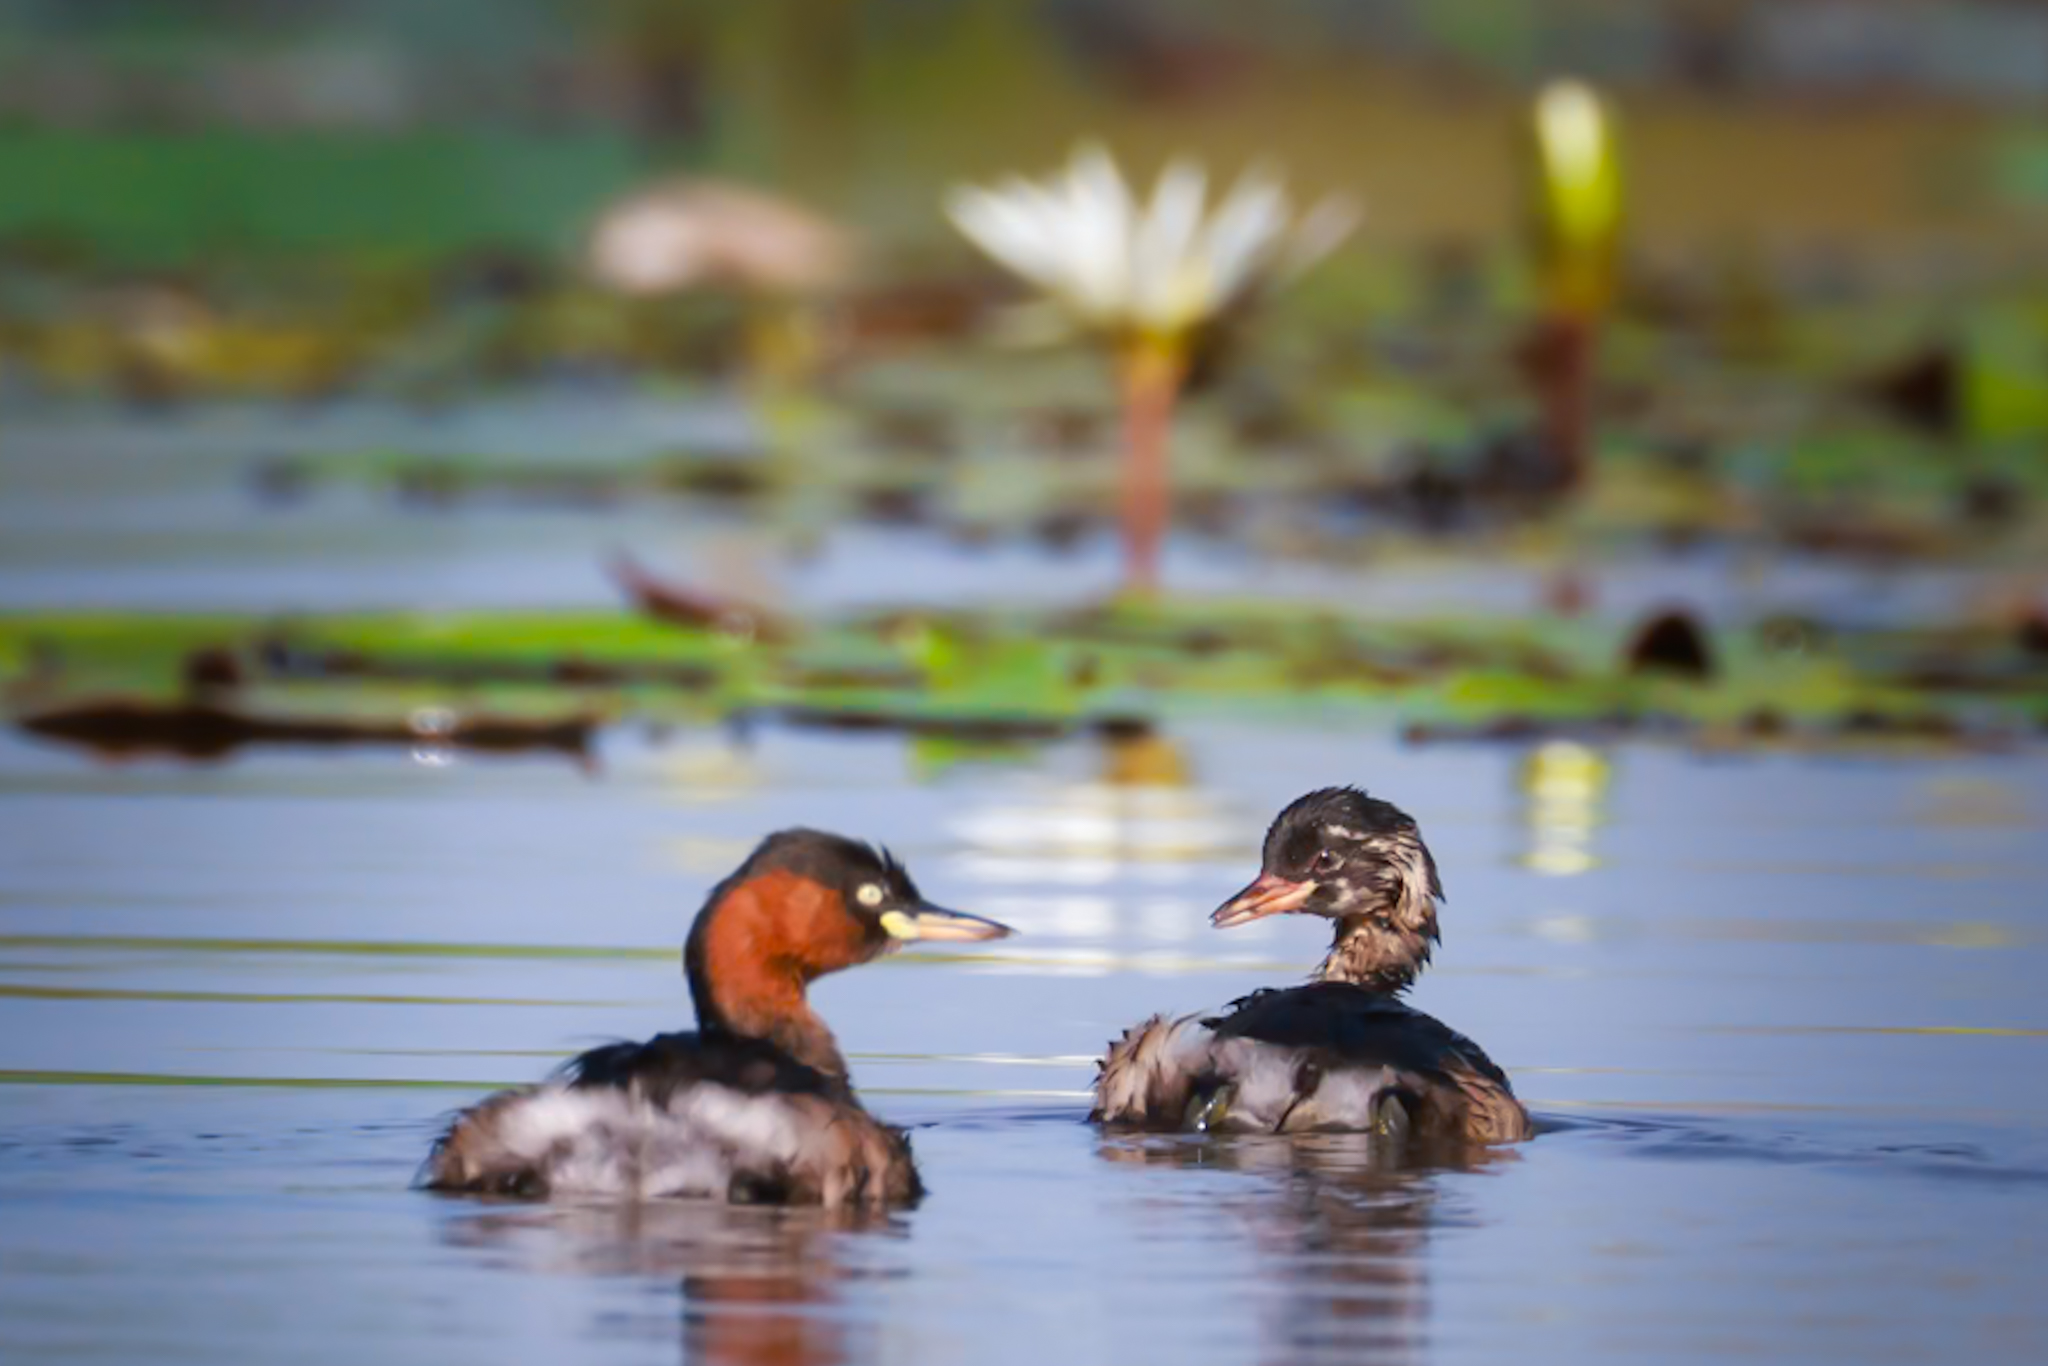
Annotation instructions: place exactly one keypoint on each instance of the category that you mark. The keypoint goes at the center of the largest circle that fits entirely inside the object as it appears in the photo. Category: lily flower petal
(1321, 231)
(1170, 284)
(1097, 229)
(1163, 267)
(1245, 231)
(1008, 230)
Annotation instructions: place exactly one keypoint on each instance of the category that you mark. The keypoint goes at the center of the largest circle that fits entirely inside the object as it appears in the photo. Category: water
(103, 508)
(1782, 1017)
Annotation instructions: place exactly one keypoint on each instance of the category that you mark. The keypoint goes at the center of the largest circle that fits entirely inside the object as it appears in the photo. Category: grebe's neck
(1377, 952)
(780, 1015)
(753, 952)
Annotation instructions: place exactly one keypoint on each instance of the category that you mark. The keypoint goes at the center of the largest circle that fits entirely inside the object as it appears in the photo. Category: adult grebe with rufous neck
(755, 1105)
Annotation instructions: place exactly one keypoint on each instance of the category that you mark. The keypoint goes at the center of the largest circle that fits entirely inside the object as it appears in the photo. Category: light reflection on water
(1566, 784)
(1784, 1018)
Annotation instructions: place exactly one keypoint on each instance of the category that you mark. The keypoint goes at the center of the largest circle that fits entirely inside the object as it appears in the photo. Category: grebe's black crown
(1340, 853)
(1340, 818)
(830, 860)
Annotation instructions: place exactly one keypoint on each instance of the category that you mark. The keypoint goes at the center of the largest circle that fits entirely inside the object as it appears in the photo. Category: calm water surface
(1784, 1016)
(102, 508)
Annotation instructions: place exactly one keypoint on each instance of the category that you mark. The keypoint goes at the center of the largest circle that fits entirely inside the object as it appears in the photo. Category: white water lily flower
(1161, 269)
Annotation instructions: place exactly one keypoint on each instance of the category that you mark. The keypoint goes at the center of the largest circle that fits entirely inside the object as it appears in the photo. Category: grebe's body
(1343, 1052)
(755, 1105)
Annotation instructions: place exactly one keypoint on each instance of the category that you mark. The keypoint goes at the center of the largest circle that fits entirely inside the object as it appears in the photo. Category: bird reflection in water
(759, 1287)
(1138, 756)
(1342, 1226)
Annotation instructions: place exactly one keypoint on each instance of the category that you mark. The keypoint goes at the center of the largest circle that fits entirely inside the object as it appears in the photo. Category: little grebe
(1344, 1052)
(755, 1105)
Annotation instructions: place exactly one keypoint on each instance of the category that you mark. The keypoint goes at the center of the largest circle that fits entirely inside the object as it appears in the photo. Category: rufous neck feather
(760, 947)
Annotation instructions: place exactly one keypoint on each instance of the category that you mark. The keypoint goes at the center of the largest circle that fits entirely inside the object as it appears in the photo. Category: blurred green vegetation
(1851, 365)
(172, 199)
(1017, 676)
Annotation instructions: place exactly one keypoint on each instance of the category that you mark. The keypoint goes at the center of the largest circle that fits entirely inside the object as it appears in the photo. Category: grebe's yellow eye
(869, 895)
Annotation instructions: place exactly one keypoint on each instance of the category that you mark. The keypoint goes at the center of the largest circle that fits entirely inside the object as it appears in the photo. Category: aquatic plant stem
(1578, 233)
(781, 359)
(1561, 366)
(1152, 375)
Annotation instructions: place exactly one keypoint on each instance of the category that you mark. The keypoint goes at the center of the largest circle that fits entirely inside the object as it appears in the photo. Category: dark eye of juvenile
(1326, 862)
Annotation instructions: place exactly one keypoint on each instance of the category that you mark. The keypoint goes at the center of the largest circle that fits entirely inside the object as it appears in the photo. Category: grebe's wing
(1327, 1056)
(678, 1115)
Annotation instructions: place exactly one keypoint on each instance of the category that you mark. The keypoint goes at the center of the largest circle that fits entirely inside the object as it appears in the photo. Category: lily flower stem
(1151, 378)
(1565, 345)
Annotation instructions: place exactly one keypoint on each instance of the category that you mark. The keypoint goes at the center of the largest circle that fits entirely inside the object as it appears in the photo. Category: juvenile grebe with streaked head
(1343, 1052)
(756, 1104)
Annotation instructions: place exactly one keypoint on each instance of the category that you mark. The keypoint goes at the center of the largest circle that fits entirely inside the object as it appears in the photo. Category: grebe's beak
(1270, 895)
(926, 921)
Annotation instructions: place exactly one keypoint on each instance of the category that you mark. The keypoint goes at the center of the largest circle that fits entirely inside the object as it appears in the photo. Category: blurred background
(469, 468)
(354, 242)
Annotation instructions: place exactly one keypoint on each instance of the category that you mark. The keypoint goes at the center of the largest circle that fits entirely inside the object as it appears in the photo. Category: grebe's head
(869, 885)
(1359, 861)
(805, 903)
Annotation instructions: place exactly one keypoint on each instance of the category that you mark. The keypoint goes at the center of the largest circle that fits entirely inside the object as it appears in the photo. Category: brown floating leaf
(122, 727)
(688, 607)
